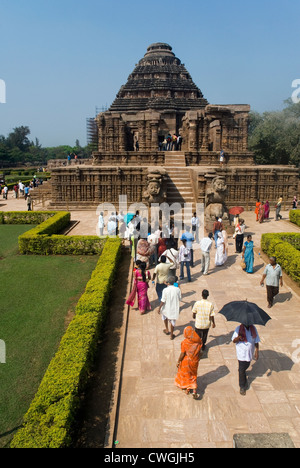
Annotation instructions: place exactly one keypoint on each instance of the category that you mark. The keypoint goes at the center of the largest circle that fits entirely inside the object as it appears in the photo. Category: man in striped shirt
(203, 312)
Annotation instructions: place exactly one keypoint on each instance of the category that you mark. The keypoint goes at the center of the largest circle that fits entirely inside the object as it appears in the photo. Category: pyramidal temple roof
(159, 82)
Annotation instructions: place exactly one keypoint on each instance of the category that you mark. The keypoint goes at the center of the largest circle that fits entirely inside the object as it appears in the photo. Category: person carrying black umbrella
(247, 342)
(245, 336)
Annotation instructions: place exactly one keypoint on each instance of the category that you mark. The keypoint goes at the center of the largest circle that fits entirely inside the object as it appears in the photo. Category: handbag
(243, 265)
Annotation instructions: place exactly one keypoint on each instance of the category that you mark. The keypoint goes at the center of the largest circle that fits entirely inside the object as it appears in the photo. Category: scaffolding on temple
(92, 129)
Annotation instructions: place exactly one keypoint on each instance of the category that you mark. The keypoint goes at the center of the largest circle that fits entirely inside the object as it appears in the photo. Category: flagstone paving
(153, 413)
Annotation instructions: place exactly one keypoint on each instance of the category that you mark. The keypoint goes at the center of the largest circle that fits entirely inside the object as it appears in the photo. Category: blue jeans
(188, 271)
(278, 215)
(159, 290)
(216, 237)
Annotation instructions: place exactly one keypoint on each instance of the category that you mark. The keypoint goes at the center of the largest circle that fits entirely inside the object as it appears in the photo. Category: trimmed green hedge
(44, 238)
(25, 217)
(50, 419)
(295, 217)
(279, 246)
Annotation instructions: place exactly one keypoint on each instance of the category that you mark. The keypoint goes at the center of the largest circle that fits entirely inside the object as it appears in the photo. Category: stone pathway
(153, 413)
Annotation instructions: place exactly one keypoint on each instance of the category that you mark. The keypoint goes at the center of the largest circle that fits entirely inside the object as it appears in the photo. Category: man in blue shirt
(188, 236)
(26, 191)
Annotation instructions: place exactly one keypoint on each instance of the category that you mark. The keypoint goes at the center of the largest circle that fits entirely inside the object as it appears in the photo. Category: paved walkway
(153, 413)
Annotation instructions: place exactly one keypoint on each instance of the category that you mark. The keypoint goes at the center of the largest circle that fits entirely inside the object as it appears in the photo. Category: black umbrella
(245, 312)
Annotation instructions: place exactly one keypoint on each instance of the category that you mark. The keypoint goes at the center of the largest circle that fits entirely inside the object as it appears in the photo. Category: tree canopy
(274, 137)
(17, 149)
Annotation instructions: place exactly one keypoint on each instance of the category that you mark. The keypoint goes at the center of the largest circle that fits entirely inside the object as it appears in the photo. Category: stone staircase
(179, 187)
(42, 193)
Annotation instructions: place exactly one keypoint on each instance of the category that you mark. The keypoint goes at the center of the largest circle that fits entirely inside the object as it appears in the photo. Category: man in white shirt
(205, 246)
(170, 306)
(112, 226)
(247, 345)
(195, 226)
(101, 224)
(153, 241)
(21, 188)
(273, 276)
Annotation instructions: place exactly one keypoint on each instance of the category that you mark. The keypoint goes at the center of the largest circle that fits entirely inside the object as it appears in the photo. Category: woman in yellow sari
(188, 362)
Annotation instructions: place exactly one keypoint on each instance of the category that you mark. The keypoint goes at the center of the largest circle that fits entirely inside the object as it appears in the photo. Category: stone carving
(156, 191)
(215, 200)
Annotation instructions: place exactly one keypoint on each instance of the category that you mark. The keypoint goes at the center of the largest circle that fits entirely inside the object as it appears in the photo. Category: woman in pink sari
(140, 289)
(267, 210)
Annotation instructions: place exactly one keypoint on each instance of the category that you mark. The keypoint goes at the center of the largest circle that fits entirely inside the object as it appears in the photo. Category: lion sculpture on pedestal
(215, 201)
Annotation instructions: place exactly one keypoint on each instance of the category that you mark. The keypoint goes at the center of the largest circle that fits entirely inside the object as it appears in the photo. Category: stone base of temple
(166, 179)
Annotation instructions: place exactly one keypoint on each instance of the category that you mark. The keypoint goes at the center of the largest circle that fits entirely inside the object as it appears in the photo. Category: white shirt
(195, 221)
(112, 227)
(245, 351)
(171, 297)
(205, 244)
(172, 258)
(184, 254)
(240, 229)
(101, 222)
(273, 275)
(153, 239)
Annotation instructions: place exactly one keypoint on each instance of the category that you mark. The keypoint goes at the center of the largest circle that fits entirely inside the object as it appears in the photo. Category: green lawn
(37, 296)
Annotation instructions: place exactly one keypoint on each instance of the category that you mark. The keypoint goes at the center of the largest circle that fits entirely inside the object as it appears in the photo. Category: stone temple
(133, 159)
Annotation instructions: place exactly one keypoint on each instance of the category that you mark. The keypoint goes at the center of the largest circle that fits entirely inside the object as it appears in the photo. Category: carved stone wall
(215, 128)
(88, 186)
(245, 185)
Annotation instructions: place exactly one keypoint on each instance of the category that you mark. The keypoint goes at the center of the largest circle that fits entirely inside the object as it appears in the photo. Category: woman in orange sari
(261, 213)
(257, 206)
(188, 362)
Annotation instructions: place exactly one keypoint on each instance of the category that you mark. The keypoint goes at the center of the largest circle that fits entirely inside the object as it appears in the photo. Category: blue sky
(62, 58)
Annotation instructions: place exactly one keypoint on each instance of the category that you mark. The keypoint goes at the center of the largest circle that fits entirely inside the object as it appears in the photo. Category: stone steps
(179, 183)
(174, 159)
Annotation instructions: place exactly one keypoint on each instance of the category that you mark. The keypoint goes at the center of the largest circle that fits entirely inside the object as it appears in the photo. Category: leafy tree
(274, 137)
(19, 138)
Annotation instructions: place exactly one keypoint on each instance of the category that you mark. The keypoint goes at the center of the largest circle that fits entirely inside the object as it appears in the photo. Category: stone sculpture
(156, 191)
(215, 200)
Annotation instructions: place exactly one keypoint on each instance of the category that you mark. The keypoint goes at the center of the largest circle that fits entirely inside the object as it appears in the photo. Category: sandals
(187, 391)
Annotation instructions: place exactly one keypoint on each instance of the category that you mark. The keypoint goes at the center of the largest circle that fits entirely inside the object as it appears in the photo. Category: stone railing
(54, 163)
(134, 158)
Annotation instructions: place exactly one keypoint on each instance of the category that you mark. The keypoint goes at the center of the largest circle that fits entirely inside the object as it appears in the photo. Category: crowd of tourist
(172, 258)
(171, 143)
(22, 191)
